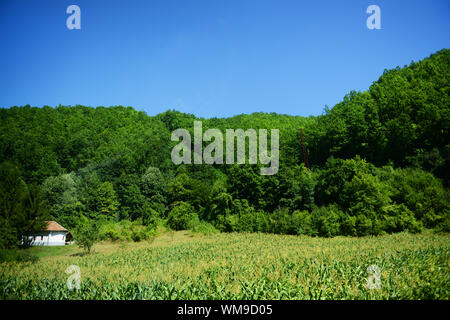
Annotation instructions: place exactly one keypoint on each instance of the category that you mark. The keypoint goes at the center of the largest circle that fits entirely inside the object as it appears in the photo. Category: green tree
(86, 233)
(23, 210)
(182, 216)
(153, 183)
(193, 191)
(107, 203)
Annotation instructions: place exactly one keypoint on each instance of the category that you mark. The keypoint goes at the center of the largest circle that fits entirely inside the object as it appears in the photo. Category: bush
(150, 217)
(281, 222)
(138, 235)
(399, 218)
(352, 185)
(227, 223)
(291, 187)
(242, 217)
(363, 225)
(204, 227)
(127, 231)
(303, 222)
(421, 192)
(253, 221)
(332, 179)
(181, 216)
(326, 221)
(295, 223)
(109, 231)
(348, 226)
(444, 226)
(365, 195)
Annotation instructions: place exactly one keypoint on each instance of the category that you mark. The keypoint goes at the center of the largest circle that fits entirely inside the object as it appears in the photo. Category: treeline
(378, 162)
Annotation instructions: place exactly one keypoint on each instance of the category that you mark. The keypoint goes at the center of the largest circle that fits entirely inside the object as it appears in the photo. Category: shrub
(348, 226)
(353, 185)
(241, 217)
(253, 221)
(421, 192)
(181, 216)
(399, 218)
(228, 223)
(281, 222)
(204, 227)
(127, 231)
(109, 231)
(150, 217)
(331, 180)
(291, 188)
(302, 222)
(363, 225)
(365, 195)
(444, 226)
(138, 235)
(326, 221)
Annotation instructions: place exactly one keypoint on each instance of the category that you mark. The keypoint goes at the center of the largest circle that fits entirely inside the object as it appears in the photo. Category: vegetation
(86, 234)
(240, 266)
(23, 208)
(378, 163)
(378, 166)
(14, 255)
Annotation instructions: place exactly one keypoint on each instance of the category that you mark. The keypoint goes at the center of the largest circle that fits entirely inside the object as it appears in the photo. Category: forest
(378, 162)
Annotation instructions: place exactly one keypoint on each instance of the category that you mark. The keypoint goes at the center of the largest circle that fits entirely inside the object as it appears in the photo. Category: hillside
(379, 161)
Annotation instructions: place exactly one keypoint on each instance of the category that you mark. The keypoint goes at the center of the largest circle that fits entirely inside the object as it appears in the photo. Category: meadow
(182, 265)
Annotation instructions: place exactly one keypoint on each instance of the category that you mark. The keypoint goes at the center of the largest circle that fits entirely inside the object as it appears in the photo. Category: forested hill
(404, 117)
(49, 141)
(116, 161)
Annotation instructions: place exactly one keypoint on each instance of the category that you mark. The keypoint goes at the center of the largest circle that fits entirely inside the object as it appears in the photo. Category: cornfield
(240, 266)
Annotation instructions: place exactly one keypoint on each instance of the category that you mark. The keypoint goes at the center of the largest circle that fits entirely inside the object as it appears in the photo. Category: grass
(238, 266)
(43, 252)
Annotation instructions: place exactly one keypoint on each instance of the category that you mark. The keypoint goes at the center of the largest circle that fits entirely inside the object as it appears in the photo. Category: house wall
(52, 238)
(57, 238)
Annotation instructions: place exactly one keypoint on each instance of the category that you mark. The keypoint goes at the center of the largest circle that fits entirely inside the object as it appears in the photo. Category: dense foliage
(378, 163)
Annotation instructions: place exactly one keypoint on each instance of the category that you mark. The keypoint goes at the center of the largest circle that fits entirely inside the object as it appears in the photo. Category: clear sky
(210, 58)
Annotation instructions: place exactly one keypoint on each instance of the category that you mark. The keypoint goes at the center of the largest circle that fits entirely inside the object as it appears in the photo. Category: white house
(53, 235)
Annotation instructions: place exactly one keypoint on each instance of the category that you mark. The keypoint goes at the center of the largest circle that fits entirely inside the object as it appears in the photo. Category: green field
(239, 266)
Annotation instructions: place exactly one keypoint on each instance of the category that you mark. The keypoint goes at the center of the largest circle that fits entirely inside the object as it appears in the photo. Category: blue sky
(210, 58)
